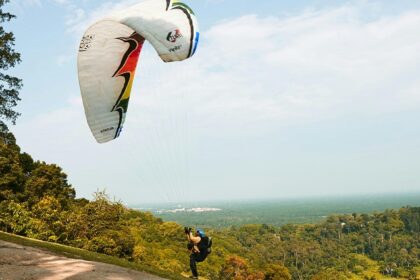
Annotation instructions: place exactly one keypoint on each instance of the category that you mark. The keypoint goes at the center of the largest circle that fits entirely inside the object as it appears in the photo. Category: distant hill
(277, 212)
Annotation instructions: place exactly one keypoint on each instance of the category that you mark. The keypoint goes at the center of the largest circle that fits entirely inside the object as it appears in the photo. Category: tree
(330, 274)
(47, 179)
(411, 218)
(12, 176)
(277, 272)
(235, 268)
(9, 85)
(48, 223)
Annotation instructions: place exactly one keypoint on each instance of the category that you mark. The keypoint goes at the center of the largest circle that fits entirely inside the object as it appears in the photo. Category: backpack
(205, 244)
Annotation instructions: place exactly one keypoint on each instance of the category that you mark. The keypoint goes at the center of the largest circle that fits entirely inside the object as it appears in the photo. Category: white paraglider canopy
(109, 52)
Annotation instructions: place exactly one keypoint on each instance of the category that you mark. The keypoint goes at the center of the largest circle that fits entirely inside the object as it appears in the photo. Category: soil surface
(27, 263)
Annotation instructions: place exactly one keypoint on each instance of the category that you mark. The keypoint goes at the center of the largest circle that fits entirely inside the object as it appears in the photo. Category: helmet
(201, 232)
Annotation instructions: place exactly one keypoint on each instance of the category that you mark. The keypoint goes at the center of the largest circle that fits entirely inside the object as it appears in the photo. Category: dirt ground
(27, 263)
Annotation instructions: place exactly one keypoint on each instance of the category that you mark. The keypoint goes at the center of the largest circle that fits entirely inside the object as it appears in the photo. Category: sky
(282, 99)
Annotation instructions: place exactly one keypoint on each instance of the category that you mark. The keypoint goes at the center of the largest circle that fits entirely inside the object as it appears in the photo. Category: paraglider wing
(106, 74)
(110, 50)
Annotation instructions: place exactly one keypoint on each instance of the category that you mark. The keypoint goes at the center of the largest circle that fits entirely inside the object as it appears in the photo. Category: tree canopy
(9, 85)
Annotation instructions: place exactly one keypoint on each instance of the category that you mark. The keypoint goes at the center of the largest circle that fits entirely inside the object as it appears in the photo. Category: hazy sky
(283, 98)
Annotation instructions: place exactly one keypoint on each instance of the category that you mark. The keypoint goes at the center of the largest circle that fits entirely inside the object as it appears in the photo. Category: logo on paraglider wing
(86, 43)
(176, 48)
(107, 129)
(174, 35)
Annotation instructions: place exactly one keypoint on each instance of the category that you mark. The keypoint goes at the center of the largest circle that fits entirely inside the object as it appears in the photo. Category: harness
(205, 245)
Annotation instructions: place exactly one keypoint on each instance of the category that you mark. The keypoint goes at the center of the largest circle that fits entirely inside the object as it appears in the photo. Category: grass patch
(77, 253)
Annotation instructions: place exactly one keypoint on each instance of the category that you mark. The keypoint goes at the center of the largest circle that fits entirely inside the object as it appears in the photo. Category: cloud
(318, 65)
(80, 19)
(21, 5)
(251, 75)
(30, 3)
(62, 2)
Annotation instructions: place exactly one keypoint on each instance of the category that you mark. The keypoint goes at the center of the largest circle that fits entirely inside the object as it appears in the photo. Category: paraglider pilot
(198, 245)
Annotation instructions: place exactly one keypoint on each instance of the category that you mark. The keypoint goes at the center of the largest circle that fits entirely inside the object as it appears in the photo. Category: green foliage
(277, 272)
(37, 201)
(9, 85)
(15, 218)
(411, 219)
(330, 274)
(13, 177)
(47, 180)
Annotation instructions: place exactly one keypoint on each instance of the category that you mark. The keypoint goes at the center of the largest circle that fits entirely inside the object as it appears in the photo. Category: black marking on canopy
(120, 108)
(168, 3)
(191, 25)
(117, 133)
(126, 77)
(133, 42)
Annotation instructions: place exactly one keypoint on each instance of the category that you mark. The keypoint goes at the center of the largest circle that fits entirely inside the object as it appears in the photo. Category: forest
(277, 211)
(37, 201)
